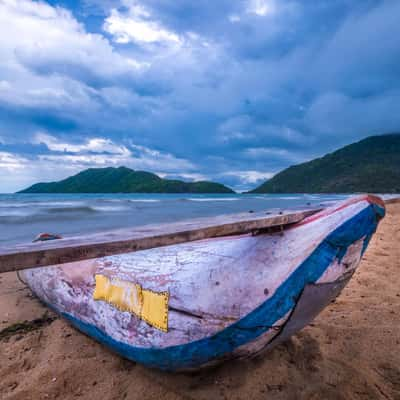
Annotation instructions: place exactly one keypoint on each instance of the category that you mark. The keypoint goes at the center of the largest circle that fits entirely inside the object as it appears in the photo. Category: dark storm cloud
(236, 89)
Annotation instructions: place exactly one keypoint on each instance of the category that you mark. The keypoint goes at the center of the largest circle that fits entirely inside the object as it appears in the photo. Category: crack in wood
(203, 315)
(184, 312)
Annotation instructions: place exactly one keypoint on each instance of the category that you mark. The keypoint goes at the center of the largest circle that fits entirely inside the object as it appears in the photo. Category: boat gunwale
(115, 242)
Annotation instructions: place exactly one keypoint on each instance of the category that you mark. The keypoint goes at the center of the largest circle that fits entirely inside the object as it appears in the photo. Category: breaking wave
(207, 199)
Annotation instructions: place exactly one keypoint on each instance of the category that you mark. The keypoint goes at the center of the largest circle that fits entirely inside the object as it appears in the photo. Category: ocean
(24, 216)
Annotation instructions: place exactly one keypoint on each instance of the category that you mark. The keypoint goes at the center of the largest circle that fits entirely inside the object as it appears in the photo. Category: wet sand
(351, 351)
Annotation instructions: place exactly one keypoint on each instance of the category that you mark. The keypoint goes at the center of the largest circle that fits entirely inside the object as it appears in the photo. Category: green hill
(123, 180)
(371, 165)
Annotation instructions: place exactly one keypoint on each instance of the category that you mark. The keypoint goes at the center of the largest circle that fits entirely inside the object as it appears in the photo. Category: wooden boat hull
(191, 305)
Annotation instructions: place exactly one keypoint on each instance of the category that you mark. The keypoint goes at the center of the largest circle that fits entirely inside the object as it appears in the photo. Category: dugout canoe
(190, 305)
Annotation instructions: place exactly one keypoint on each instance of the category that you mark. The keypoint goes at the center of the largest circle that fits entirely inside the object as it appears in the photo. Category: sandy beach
(351, 351)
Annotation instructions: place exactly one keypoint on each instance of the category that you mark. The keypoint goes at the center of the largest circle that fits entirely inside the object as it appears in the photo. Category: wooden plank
(78, 248)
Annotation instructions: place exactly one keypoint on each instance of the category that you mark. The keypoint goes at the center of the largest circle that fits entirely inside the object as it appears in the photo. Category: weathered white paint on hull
(212, 283)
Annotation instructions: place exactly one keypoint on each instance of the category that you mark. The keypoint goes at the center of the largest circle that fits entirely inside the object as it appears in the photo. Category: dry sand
(351, 351)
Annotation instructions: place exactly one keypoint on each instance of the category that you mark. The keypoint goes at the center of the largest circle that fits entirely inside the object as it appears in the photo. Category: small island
(370, 165)
(123, 180)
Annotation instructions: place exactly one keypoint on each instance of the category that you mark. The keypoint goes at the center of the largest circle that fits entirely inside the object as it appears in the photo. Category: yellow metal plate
(150, 306)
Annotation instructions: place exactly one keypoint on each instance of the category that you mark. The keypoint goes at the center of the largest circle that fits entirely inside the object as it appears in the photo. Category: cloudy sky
(227, 90)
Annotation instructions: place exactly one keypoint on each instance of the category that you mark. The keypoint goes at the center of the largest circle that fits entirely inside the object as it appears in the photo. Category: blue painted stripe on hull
(257, 322)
